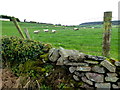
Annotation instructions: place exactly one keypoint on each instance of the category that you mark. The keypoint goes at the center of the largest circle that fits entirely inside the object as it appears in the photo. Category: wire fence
(87, 39)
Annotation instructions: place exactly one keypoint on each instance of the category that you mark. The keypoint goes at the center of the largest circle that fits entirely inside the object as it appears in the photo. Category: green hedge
(17, 50)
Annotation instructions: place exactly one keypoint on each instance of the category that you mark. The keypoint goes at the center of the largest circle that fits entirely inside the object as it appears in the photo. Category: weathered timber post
(18, 27)
(107, 34)
(119, 31)
(27, 33)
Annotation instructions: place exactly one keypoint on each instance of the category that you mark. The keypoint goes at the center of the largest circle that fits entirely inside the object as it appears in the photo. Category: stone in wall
(108, 65)
(54, 54)
(112, 74)
(72, 55)
(98, 69)
(96, 58)
(76, 78)
(80, 74)
(51, 52)
(105, 86)
(76, 56)
(76, 64)
(114, 86)
(117, 63)
(72, 69)
(86, 87)
(60, 61)
(64, 53)
(111, 79)
(91, 62)
(65, 62)
(84, 79)
(95, 77)
(118, 84)
(83, 68)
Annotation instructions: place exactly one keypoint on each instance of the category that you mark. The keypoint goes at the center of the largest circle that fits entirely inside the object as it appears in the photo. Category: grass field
(88, 41)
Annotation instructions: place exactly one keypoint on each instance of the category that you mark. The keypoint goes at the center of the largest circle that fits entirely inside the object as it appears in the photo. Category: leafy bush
(16, 50)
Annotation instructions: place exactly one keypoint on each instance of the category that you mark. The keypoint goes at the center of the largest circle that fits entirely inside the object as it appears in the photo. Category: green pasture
(88, 41)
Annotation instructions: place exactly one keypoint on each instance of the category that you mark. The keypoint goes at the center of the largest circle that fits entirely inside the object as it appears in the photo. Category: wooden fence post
(119, 30)
(27, 33)
(107, 34)
(18, 27)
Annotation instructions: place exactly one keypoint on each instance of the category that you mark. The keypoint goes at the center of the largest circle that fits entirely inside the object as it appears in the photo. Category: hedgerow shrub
(27, 58)
(16, 50)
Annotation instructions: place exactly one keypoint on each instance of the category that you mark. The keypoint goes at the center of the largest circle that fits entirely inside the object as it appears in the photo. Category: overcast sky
(67, 12)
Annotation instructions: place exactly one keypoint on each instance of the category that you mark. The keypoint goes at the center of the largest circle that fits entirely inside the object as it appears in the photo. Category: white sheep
(36, 31)
(53, 31)
(46, 30)
(75, 29)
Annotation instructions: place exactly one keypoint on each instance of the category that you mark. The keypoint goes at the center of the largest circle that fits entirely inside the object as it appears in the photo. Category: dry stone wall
(94, 71)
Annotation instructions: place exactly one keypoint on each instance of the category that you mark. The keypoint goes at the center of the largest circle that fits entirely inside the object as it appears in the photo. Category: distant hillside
(100, 23)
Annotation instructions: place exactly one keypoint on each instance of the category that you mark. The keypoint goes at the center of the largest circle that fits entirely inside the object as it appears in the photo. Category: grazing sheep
(75, 29)
(36, 31)
(53, 31)
(46, 30)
